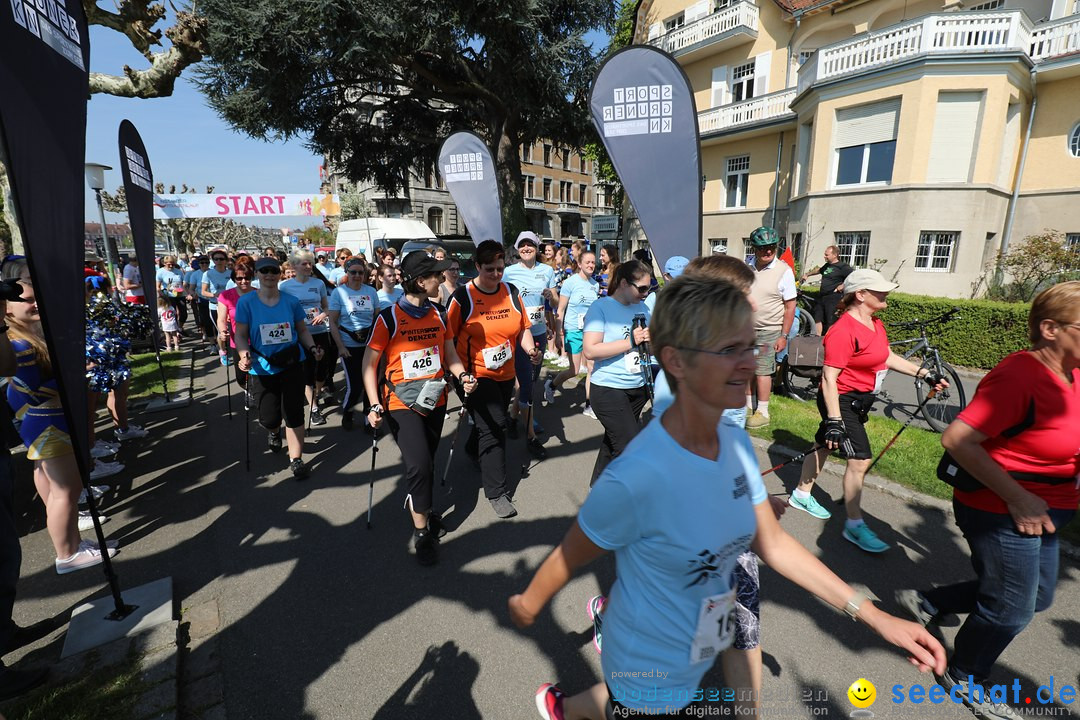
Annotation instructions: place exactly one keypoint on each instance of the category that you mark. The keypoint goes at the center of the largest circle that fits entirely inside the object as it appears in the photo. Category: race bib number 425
(496, 357)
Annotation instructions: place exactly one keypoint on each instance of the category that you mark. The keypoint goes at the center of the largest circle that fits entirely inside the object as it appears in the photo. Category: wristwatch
(377, 409)
(854, 604)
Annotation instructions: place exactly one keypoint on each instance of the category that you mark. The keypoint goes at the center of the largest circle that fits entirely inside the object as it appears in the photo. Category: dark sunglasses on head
(269, 271)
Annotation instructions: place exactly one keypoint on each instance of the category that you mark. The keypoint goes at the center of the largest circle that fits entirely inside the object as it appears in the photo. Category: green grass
(146, 378)
(99, 693)
(912, 461)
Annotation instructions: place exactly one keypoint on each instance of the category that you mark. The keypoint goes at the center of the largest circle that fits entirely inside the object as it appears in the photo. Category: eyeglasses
(642, 289)
(241, 278)
(358, 273)
(732, 351)
(496, 270)
(269, 271)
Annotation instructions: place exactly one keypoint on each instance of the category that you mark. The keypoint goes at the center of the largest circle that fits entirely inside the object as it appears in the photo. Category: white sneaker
(87, 523)
(103, 449)
(88, 555)
(563, 362)
(103, 470)
(588, 412)
(132, 432)
(99, 490)
(549, 392)
(550, 355)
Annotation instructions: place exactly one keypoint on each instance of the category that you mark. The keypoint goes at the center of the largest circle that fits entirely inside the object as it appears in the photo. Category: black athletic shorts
(859, 444)
(278, 396)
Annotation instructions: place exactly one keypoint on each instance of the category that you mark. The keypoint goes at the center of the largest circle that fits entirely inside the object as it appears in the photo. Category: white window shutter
(952, 147)
(870, 123)
(719, 86)
(656, 30)
(696, 11)
(761, 73)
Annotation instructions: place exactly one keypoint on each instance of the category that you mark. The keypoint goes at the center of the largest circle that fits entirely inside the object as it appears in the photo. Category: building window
(742, 82)
(1072, 243)
(547, 189)
(866, 142)
(526, 153)
(583, 195)
(547, 155)
(720, 5)
(581, 164)
(935, 251)
(991, 5)
(675, 23)
(737, 181)
(804, 55)
(1074, 136)
(530, 186)
(718, 245)
(434, 220)
(565, 189)
(853, 248)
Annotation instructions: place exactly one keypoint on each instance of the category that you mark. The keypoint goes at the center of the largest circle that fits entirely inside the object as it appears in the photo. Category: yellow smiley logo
(862, 693)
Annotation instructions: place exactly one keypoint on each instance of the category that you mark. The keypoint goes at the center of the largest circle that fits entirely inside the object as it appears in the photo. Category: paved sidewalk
(290, 608)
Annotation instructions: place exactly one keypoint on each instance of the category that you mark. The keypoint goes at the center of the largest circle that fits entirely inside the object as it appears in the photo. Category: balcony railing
(570, 208)
(755, 110)
(944, 34)
(534, 203)
(1061, 37)
(711, 27)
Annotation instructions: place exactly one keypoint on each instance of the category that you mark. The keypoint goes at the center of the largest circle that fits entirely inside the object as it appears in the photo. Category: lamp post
(95, 178)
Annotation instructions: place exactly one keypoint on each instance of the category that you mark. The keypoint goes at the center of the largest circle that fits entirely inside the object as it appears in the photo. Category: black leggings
(487, 407)
(417, 438)
(618, 411)
(320, 370)
(354, 380)
(240, 375)
(280, 394)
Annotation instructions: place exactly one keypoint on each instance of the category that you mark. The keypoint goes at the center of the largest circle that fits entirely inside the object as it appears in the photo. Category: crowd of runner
(679, 500)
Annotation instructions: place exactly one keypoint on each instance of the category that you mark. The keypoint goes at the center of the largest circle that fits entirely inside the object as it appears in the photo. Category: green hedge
(983, 332)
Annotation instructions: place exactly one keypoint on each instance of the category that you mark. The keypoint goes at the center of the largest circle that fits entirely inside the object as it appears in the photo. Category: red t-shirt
(859, 352)
(1051, 446)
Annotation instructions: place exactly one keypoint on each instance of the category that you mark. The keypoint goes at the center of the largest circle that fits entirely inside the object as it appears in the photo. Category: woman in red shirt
(488, 320)
(1014, 459)
(857, 357)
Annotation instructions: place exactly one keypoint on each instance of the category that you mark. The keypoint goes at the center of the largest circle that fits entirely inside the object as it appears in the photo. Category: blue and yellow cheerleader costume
(36, 403)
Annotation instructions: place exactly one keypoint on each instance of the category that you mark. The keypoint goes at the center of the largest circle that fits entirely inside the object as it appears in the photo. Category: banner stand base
(91, 625)
(159, 403)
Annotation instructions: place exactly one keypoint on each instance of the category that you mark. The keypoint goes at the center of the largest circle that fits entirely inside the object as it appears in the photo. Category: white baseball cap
(526, 236)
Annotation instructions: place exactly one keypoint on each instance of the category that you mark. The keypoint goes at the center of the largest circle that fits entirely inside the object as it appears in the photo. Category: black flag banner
(139, 191)
(643, 110)
(44, 56)
(469, 173)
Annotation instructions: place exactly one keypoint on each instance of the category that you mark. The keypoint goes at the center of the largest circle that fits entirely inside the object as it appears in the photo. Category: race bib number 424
(275, 333)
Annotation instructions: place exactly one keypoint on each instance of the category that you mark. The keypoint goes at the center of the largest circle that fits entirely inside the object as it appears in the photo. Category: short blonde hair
(696, 312)
(168, 259)
(1060, 303)
(299, 256)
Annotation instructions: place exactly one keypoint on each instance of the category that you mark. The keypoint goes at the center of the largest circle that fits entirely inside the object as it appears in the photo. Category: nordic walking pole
(371, 483)
(813, 449)
(228, 384)
(929, 396)
(247, 424)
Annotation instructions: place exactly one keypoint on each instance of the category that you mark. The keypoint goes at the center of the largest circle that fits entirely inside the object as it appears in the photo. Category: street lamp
(95, 178)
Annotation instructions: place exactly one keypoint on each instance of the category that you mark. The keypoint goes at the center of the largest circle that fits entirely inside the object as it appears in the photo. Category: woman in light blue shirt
(353, 308)
(576, 295)
(614, 332)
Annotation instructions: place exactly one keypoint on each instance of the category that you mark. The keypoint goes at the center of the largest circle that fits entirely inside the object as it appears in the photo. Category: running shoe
(503, 507)
(864, 537)
(346, 420)
(810, 506)
(549, 392)
(984, 709)
(550, 356)
(917, 606)
(563, 362)
(425, 544)
(87, 523)
(104, 470)
(317, 417)
(131, 432)
(536, 448)
(273, 440)
(299, 470)
(224, 358)
(588, 412)
(595, 608)
(757, 420)
(549, 702)
(99, 490)
(88, 555)
(435, 524)
(104, 449)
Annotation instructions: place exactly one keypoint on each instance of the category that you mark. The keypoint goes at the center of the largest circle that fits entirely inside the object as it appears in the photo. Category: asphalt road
(322, 618)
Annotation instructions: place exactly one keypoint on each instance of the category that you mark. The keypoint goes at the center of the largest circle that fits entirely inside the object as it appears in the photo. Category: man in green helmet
(773, 293)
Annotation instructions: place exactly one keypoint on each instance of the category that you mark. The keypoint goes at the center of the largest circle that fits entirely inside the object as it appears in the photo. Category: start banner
(168, 207)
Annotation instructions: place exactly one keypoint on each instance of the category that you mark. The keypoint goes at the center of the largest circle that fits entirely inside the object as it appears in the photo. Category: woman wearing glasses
(243, 277)
(450, 282)
(353, 307)
(272, 340)
(311, 292)
(489, 321)
(677, 508)
(612, 343)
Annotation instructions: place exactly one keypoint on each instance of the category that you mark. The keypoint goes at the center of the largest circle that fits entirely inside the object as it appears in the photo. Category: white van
(366, 234)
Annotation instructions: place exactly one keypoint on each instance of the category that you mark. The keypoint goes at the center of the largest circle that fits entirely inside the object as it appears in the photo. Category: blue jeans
(1015, 578)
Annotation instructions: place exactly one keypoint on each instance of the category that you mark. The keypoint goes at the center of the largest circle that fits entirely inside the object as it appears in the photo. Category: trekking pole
(644, 362)
(929, 396)
(247, 424)
(228, 383)
(371, 482)
(813, 449)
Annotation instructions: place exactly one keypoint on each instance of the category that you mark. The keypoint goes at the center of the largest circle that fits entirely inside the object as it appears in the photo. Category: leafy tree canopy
(376, 86)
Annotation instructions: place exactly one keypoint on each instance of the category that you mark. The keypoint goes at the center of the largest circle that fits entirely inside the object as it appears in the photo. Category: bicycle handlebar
(943, 318)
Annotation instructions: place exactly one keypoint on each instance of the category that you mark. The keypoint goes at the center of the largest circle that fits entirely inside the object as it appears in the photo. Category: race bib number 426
(420, 363)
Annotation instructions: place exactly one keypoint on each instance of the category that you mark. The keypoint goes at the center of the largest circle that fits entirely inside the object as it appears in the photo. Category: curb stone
(891, 488)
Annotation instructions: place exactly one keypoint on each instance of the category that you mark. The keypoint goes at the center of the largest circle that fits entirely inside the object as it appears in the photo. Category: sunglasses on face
(357, 273)
(241, 278)
(642, 289)
(220, 259)
(269, 271)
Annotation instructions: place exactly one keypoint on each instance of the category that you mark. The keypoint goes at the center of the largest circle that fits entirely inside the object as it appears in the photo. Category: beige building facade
(918, 137)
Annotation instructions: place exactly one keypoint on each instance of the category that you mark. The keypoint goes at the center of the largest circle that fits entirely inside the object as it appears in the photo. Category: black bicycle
(943, 408)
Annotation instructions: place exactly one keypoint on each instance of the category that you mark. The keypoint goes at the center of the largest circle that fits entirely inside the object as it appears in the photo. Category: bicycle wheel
(943, 408)
(800, 383)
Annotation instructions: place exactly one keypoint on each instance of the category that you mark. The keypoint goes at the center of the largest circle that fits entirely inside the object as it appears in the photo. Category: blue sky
(188, 143)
